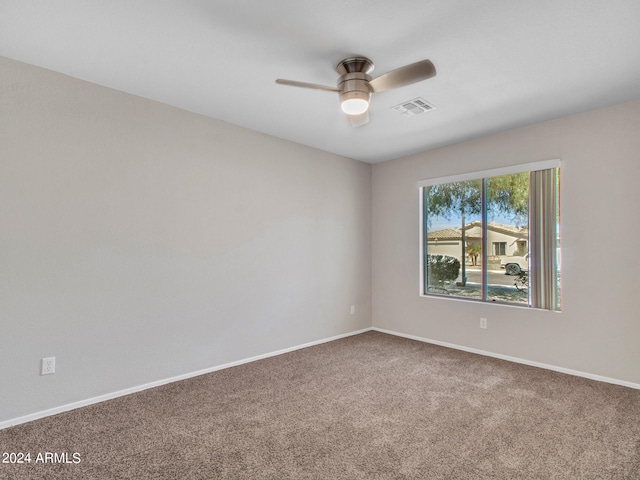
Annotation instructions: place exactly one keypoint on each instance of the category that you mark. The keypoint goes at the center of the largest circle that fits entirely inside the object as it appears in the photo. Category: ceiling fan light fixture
(354, 106)
(354, 102)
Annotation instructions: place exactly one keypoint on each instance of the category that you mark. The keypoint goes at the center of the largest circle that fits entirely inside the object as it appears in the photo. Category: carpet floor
(371, 406)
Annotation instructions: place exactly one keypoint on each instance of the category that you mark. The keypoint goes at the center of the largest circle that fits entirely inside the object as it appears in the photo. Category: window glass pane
(453, 239)
(508, 238)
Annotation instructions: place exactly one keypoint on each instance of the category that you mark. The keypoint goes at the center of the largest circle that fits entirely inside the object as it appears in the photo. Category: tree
(473, 250)
(506, 194)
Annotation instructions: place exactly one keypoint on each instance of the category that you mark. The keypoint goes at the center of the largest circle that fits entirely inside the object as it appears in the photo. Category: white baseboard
(568, 371)
(139, 388)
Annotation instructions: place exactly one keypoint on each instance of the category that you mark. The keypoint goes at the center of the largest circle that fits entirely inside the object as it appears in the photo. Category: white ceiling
(500, 63)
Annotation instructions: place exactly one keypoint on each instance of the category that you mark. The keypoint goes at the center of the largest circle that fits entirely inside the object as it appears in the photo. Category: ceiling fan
(355, 85)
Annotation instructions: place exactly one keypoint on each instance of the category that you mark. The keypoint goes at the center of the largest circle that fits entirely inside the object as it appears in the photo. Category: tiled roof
(473, 231)
(444, 234)
(510, 229)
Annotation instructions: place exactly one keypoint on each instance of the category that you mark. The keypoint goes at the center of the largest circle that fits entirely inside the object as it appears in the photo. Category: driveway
(495, 277)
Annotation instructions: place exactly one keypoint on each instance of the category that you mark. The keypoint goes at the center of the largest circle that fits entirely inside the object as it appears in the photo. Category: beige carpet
(371, 406)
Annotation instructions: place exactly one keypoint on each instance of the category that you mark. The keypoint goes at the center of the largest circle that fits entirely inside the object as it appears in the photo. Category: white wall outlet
(353, 309)
(48, 366)
(483, 323)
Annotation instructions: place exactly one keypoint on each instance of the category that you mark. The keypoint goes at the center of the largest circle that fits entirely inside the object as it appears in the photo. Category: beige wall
(139, 242)
(511, 241)
(451, 248)
(598, 330)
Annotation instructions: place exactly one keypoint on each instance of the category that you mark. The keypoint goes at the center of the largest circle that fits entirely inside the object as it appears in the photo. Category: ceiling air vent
(414, 107)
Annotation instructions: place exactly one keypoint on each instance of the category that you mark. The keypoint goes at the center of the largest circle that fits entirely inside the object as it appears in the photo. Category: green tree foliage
(458, 197)
(509, 194)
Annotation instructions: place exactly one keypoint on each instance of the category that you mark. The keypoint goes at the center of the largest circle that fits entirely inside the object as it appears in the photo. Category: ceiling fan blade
(315, 86)
(359, 120)
(416, 72)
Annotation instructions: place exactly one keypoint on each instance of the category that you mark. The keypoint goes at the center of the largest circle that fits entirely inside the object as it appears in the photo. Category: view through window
(493, 238)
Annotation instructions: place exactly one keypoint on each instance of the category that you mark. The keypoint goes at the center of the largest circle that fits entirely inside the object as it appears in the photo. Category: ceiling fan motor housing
(354, 85)
(354, 78)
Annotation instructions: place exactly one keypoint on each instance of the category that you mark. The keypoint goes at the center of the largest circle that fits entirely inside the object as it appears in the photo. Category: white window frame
(495, 172)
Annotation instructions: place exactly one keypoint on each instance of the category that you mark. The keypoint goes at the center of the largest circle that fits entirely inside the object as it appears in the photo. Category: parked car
(515, 265)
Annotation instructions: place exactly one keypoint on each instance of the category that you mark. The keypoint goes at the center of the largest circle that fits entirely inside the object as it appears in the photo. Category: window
(493, 236)
(499, 248)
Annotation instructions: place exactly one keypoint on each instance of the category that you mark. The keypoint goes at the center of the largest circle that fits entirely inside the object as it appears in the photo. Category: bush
(442, 268)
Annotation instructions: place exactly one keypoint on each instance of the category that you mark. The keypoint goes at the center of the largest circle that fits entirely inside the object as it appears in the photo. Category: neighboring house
(502, 240)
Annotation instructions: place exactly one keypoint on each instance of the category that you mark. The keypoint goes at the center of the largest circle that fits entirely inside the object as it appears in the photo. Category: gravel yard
(499, 293)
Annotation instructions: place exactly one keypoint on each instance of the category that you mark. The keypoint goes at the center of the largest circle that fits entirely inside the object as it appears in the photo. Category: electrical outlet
(48, 366)
(353, 309)
(483, 323)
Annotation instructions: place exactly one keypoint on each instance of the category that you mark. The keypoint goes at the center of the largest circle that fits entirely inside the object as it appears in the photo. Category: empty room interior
(298, 239)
